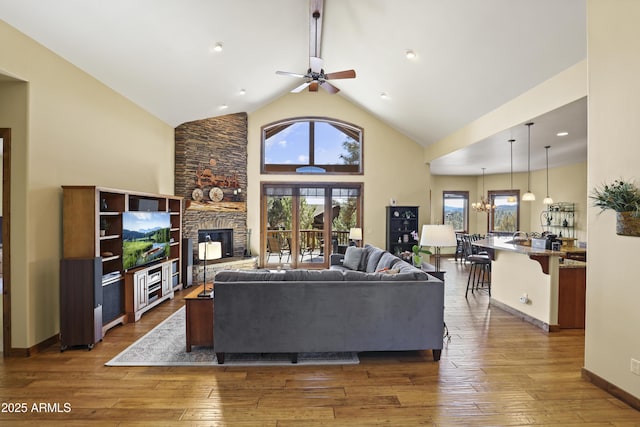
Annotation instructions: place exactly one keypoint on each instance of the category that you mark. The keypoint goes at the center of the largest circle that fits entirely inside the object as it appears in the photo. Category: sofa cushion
(387, 260)
(373, 257)
(405, 267)
(313, 276)
(353, 258)
(248, 276)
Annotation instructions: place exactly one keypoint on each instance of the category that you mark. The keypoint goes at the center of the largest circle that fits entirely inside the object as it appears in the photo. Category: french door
(302, 224)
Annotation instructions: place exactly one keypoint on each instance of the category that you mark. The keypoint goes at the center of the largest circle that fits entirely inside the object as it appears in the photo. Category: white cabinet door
(141, 295)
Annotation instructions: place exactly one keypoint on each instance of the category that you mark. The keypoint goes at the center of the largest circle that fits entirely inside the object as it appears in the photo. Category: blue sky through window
(291, 145)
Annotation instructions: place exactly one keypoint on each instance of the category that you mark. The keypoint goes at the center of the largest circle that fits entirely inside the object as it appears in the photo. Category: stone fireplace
(211, 175)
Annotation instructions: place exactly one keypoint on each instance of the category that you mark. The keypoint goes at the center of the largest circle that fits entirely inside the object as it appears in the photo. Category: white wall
(613, 288)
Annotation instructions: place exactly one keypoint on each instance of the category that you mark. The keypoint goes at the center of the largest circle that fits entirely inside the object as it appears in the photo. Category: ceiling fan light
(528, 197)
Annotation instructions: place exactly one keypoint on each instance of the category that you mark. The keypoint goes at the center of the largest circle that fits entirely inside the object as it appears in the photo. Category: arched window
(311, 145)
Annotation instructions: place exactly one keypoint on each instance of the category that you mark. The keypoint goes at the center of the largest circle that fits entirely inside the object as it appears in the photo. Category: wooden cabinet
(147, 287)
(80, 302)
(199, 319)
(93, 227)
(401, 222)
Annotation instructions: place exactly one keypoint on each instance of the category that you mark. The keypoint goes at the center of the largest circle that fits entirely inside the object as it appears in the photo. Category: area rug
(165, 345)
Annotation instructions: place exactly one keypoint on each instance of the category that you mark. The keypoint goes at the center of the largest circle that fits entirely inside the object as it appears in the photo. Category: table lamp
(355, 234)
(438, 235)
(208, 251)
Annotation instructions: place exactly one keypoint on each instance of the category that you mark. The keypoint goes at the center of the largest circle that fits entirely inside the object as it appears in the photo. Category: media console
(147, 287)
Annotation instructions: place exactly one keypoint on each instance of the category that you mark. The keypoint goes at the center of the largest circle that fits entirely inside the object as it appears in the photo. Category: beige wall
(393, 163)
(613, 291)
(566, 184)
(75, 131)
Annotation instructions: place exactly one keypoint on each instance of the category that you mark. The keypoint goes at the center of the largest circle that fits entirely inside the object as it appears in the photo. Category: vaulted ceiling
(471, 56)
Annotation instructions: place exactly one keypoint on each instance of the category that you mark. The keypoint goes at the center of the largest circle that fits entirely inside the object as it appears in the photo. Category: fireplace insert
(222, 235)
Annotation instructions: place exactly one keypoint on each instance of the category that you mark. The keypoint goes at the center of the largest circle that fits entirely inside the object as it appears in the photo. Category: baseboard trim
(38, 348)
(536, 322)
(612, 389)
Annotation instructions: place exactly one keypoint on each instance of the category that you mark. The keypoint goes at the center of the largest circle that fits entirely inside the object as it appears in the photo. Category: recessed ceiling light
(410, 54)
(216, 48)
(384, 95)
(562, 133)
(242, 92)
(224, 106)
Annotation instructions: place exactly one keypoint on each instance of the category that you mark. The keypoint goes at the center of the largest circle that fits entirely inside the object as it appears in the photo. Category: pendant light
(529, 196)
(483, 205)
(511, 198)
(547, 200)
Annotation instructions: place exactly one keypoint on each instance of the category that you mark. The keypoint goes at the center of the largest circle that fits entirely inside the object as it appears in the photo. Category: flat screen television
(145, 238)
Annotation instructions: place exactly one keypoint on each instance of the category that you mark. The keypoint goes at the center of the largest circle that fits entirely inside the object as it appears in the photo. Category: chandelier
(483, 205)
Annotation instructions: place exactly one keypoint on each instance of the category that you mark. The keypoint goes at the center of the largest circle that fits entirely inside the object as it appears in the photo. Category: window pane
(333, 146)
(455, 205)
(288, 146)
(344, 202)
(505, 216)
(278, 232)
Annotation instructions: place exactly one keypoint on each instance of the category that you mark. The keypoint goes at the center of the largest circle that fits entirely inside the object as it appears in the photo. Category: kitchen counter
(526, 281)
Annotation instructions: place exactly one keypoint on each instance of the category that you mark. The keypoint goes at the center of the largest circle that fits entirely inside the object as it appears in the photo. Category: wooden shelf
(87, 209)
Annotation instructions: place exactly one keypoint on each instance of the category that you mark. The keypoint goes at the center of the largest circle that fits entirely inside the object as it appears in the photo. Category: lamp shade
(355, 233)
(209, 250)
(438, 235)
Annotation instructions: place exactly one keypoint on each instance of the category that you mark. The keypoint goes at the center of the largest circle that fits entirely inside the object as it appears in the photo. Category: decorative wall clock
(216, 194)
(197, 194)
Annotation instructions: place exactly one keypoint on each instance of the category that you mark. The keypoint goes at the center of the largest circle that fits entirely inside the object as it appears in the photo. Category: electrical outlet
(635, 366)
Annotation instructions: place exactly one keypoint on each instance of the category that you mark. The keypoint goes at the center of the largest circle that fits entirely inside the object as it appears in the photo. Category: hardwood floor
(496, 371)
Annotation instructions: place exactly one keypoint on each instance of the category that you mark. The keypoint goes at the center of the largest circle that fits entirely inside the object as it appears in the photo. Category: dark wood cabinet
(402, 226)
(199, 318)
(80, 302)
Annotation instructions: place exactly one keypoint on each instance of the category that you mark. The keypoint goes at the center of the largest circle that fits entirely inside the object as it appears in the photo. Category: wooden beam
(315, 27)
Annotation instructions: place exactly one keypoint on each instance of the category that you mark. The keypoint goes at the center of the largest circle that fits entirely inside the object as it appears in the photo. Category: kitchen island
(538, 285)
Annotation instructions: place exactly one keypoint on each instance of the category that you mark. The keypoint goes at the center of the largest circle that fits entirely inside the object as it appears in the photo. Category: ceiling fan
(315, 76)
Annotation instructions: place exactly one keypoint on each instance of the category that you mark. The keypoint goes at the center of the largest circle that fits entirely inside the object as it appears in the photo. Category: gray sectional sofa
(382, 304)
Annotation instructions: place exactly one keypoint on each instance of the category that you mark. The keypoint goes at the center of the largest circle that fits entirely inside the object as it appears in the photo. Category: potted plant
(622, 197)
(417, 250)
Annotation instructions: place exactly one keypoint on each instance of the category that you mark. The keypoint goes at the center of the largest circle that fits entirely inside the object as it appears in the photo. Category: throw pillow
(352, 257)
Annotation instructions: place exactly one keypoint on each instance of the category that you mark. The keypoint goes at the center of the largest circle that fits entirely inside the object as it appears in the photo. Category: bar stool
(479, 274)
(480, 269)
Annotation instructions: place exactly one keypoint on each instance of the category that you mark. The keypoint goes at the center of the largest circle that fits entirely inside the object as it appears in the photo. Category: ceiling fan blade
(313, 86)
(329, 87)
(287, 73)
(300, 88)
(315, 63)
(346, 74)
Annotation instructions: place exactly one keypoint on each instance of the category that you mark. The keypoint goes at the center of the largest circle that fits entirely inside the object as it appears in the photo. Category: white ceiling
(472, 56)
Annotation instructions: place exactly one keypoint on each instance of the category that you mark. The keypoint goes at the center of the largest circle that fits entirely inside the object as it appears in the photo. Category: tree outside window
(455, 209)
(505, 218)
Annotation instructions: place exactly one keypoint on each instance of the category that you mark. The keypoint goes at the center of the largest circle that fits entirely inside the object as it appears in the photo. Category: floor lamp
(208, 251)
(438, 236)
